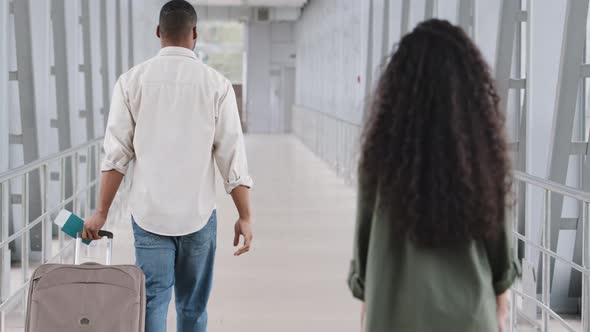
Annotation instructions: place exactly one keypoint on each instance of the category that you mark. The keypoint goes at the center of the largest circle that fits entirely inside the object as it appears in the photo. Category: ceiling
(251, 3)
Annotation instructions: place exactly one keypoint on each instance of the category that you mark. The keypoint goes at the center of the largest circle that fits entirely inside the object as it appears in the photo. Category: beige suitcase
(88, 297)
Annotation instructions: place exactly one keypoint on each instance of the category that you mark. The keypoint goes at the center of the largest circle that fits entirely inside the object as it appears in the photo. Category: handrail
(552, 313)
(553, 186)
(92, 149)
(562, 259)
(328, 115)
(522, 176)
(46, 214)
(21, 170)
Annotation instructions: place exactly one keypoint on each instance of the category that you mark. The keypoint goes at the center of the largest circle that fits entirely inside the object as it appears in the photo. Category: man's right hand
(243, 227)
(92, 225)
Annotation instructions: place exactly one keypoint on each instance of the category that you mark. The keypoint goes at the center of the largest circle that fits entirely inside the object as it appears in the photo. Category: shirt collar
(175, 50)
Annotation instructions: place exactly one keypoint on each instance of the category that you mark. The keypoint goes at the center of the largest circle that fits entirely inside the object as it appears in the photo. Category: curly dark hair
(434, 147)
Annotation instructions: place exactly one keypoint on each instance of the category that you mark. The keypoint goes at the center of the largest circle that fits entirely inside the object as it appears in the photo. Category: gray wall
(333, 50)
(330, 60)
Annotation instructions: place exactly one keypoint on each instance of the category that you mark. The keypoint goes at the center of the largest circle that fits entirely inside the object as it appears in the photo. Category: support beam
(26, 89)
(405, 21)
(385, 30)
(88, 84)
(60, 71)
(86, 68)
(130, 44)
(4, 152)
(104, 58)
(24, 55)
(508, 73)
(4, 113)
(429, 9)
(62, 87)
(465, 15)
(576, 279)
(118, 40)
(572, 56)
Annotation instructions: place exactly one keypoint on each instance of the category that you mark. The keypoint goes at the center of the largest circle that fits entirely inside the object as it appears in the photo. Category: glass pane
(221, 46)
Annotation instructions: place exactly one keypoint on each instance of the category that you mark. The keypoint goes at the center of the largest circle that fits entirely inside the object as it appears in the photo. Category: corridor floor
(294, 279)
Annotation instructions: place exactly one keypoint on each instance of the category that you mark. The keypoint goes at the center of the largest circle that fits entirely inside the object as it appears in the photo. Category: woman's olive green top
(410, 288)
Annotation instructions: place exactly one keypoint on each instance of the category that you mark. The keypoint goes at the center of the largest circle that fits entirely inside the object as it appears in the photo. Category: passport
(70, 224)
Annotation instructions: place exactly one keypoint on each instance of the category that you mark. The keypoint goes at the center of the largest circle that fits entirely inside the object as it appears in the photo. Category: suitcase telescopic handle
(106, 234)
(101, 233)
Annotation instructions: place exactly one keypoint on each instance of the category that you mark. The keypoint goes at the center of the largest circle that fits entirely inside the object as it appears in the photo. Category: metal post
(88, 193)
(586, 263)
(75, 180)
(130, 47)
(508, 63)
(104, 58)
(86, 68)
(4, 112)
(4, 154)
(97, 148)
(26, 220)
(26, 87)
(60, 71)
(63, 196)
(546, 291)
(385, 30)
(572, 57)
(405, 21)
(514, 217)
(5, 251)
(429, 9)
(465, 15)
(118, 41)
(24, 76)
(504, 46)
(45, 237)
(62, 87)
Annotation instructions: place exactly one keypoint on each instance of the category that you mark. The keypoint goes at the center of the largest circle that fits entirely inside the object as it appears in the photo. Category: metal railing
(12, 233)
(336, 141)
(333, 139)
(550, 188)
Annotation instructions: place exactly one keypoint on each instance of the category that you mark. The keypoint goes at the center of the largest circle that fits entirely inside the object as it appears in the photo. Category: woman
(432, 248)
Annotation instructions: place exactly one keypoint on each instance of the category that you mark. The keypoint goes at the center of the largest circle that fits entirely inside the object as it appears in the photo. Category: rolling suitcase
(88, 297)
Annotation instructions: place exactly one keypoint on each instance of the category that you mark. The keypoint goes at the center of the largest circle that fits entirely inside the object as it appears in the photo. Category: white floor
(294, 279)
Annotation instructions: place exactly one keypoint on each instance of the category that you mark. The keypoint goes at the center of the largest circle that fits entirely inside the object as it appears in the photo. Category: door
(287, 98)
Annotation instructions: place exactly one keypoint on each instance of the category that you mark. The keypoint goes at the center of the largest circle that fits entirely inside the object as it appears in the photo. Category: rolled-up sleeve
(118, 140)
(503, 261)
(364, 218)
(229, 148)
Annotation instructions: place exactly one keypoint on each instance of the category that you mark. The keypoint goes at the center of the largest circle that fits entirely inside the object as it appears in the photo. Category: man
(174, 116)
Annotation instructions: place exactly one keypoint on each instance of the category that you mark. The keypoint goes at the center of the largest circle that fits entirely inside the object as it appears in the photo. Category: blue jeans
(183, 262)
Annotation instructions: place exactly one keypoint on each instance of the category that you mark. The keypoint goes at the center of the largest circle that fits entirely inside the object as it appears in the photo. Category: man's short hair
(177, 19)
